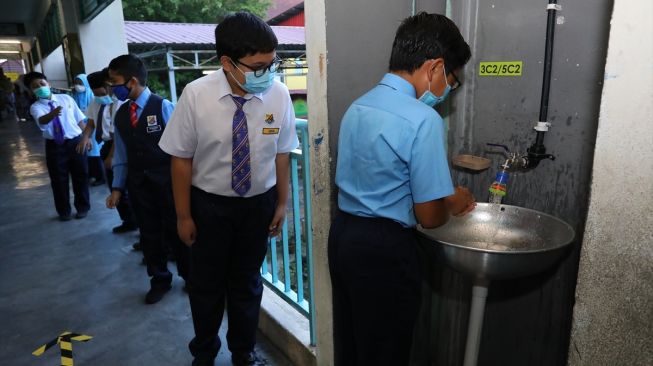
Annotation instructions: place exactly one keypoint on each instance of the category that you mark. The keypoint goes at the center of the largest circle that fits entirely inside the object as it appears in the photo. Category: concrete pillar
(614, 295)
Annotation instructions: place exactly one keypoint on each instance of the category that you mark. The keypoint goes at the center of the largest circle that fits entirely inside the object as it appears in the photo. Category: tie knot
(240, 101)
(133, 106)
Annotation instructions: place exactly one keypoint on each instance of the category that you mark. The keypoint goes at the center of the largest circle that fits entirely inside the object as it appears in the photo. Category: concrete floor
(78, 276)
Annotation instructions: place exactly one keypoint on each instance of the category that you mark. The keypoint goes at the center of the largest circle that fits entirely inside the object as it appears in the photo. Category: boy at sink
(392, 173)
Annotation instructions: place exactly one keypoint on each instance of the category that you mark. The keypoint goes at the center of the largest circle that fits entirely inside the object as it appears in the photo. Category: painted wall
(103, 38)
(613, 316)
(54, 68)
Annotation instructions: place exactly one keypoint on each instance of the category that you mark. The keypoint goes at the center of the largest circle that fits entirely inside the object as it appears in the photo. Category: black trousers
(152, 201)
(226, 258)
(124, 207)
(376, 290)
(63, 161)
(96, 168)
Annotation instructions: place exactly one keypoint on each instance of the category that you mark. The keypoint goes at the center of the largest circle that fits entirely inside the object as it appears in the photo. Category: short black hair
(423, 37)
(31, 76)
(129, 66)
(242, 34)
(98, 79)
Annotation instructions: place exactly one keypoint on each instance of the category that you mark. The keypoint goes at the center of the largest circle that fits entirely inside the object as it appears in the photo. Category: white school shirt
(107, 116)
(201, 128)
(70, 116)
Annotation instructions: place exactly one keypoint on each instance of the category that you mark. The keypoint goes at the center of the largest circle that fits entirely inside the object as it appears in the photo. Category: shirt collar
(142, 99)
(224, 88)
(399, 84)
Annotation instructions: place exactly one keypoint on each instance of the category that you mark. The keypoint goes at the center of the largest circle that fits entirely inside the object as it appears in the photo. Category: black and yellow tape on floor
(64, 340)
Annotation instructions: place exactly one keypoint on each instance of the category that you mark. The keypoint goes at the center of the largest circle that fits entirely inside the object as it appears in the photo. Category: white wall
(103, 38)
(54, 68)
(614, 295)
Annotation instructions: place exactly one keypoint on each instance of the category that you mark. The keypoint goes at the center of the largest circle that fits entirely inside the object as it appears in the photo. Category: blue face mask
(42, 92)
(121, 91)
(255, 84)
(431, 99)
(104, 100)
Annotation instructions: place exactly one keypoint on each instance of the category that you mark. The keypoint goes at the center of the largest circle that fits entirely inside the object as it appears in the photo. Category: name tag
(151, 129)
(270, 131)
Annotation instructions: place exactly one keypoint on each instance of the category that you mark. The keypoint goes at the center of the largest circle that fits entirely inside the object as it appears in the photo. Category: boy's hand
(187, 231)
(56, 112)
(83, 146)
(277, 220)
(113, 199)
(462, 202)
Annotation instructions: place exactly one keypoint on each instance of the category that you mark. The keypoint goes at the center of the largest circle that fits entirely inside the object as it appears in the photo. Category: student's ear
(434, 67)
(226, 63)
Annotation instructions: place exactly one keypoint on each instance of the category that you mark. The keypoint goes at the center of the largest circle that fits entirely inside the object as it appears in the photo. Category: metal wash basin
(499, 242)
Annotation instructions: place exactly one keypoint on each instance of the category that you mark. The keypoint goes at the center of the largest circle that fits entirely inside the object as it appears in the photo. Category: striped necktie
(57, 127)
(241, 175)
(133, 117)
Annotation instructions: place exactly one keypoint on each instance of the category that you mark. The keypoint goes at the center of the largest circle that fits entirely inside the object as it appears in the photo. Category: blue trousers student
(376, 282)
(64, 162)
(232, 239)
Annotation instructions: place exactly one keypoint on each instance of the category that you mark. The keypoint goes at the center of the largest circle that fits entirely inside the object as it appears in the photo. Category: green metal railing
(292, 279)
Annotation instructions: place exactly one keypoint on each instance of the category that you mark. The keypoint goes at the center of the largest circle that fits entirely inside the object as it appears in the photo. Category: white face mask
(80, 88)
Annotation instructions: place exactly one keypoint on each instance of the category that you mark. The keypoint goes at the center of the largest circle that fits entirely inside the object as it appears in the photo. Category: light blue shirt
(119, 164)
(391, 154)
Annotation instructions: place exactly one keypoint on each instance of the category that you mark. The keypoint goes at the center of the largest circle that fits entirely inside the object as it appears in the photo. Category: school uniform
(102, 136)
(391, 154)
(144, 169)
(62, 135)
(233, 198)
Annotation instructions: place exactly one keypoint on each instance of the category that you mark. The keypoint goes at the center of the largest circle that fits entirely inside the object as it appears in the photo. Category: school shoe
(247, 359)
(137, 246)
(203, 361)
(81, 215)
(65, 217)
(156, 293)
(124, 228)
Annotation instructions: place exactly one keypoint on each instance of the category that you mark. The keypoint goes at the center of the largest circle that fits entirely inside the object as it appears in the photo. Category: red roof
(279, 7)
(188, 33)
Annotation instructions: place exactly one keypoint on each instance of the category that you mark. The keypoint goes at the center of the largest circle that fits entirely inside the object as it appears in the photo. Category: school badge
(269, 118)
(151, 121)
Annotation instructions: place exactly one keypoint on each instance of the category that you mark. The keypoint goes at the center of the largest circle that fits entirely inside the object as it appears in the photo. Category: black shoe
(65, 217)
(81, 215)
(156, 293)
(137, 246)
(247, 359)
(203, 361)
(124, 228)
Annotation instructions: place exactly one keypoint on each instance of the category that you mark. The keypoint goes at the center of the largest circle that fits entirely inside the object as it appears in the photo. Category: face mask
(80, 88)
(254, 84)
(42, 92)
(121, 91)
(104, 100)
(431, 99)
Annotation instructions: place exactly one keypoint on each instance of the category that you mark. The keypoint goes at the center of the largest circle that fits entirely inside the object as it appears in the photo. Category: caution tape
(64, 340)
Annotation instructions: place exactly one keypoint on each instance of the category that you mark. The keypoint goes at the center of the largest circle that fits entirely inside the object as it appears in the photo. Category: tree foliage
(190, 11)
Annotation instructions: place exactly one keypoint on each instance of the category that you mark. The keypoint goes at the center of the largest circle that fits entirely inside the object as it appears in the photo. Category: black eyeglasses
(457, 84)
(272, 67)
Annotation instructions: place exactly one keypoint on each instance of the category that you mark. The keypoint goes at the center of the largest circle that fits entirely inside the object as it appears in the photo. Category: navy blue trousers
(64, 162)
(376, 282)
(226, 259)
(151, 199)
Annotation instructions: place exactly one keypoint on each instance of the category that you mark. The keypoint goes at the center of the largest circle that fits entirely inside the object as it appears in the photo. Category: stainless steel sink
(496, 242)
(499, 241)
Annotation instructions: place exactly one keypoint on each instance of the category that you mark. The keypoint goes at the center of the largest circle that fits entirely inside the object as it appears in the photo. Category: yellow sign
(501, 68)
(64, 340)
(270, 131)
